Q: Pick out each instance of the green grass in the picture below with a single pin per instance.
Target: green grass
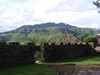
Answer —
(83, 60)
(27, 70)
(36, 69)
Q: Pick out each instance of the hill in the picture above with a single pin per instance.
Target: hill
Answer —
(46, 31)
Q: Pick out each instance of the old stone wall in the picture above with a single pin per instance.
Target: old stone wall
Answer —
(59, 52)
(16, 55)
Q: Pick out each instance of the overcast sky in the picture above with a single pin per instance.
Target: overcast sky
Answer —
(15, 13)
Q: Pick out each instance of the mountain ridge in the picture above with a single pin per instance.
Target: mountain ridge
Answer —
(49, 31)
(45, 25)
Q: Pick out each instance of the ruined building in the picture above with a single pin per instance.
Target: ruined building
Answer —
(98, 38)
(69, 38)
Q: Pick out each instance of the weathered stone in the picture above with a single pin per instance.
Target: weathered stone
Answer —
(69, 38)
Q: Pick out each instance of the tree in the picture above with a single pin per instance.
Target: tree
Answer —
(97, 3)
(3, 42)
(38, 41)
(89, 39)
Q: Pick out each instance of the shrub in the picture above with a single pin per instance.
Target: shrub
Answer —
(89, 39)
(3, 42)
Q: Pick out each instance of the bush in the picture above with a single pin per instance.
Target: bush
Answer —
(3, 42)
(89, 39)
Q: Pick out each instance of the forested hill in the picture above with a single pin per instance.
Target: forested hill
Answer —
(46, 25)
(48, 31)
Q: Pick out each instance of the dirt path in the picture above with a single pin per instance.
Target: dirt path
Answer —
(72, 69)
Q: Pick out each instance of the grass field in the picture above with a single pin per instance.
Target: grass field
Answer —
(36, 69)
(27, 70)
(83, 60)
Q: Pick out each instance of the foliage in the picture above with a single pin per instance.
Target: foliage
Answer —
(89, 39)
(38, 56)
(37, 41)
(3, 42)
(97, 3)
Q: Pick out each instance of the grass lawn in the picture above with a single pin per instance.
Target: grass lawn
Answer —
(83, 60)
(27, 70)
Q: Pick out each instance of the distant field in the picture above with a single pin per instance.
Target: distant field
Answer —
(83, 60)
(27, 70)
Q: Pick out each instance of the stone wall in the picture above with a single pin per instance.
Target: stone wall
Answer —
(60, 52)
(16, 54)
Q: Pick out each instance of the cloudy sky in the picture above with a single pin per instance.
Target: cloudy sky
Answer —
(15, 13)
